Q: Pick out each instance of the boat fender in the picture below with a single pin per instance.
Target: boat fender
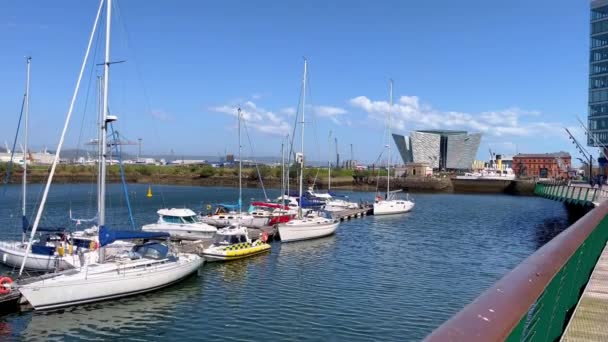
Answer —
(264, 236)
(5, 285)
(60, 250)
(93, 245)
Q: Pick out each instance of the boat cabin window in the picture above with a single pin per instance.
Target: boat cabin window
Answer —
(154, 251)
(229, 239)
(172, 219)
(190, 219)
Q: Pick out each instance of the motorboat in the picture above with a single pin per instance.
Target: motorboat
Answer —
(392, 205)
(181, 224)
(147, 267)
(310, 226)
(232, 243)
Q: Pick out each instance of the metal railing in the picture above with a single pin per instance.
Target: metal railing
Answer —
(535, 300)
(571, 193)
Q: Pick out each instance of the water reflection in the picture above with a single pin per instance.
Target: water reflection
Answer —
(308, 247)
(113, 319)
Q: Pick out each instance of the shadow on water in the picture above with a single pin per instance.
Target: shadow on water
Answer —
(553, 226)
(112, 319)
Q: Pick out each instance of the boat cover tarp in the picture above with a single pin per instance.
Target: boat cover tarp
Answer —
(43, 250)
(107, 236)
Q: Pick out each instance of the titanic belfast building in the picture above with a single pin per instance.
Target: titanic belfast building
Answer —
(441, 149)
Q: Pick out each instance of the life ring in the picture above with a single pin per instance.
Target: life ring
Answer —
(209, 207)
(5, 285)
(264, 236)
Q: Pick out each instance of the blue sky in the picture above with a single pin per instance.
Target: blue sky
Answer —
(513, 70)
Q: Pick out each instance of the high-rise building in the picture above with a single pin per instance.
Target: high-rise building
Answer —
(598, 75)
(440, 149)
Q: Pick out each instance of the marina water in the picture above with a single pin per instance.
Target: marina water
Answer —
(379, 278)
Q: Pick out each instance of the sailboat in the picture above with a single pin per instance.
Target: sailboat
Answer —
(311, 225)
(390, 204)
(146, 267)
(55, 249)
(233, 242)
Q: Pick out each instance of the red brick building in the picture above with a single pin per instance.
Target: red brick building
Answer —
(542, 165)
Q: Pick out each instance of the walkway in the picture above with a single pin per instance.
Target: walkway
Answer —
(590, 319)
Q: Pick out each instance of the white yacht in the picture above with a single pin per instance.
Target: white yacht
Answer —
(391, 204)
(311, 225)
(146, 267)
(181, 224)
(307, 227)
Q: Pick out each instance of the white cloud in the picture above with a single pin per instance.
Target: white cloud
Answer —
(330, 112)
(290, 111)
(160, 115)
(409, 113)
(257, 118)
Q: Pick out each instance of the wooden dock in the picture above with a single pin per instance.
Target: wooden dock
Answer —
(353, 213)
(590, 319)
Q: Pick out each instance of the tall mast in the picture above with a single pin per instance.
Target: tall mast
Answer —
(388, 162)
(104, 118)
(302, 136)
(240, 168)
(282, 173)
(25, 138)
(287, 171)
(329, 163)
(99, 134)
(49, 179)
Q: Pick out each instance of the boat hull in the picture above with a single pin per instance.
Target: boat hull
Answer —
(107, 281)
(13, 253)
(393, 207)
(290, 233)
(181, 232)
(212, 255)
(220, 222)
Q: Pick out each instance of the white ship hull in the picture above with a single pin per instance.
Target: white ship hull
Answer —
(13, 253)
(298, 230)
(183, 231)
(391, 207)
(98, 282)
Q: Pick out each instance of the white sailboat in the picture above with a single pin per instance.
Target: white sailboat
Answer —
(312, 225)
(391, 204)
(55, 249)
(145, 268)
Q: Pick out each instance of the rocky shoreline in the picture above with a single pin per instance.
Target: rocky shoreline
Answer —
(410, 184)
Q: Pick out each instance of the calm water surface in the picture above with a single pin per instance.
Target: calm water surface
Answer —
(379, 278)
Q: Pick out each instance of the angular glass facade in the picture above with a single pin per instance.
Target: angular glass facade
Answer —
(443, 150)
(598, 75)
